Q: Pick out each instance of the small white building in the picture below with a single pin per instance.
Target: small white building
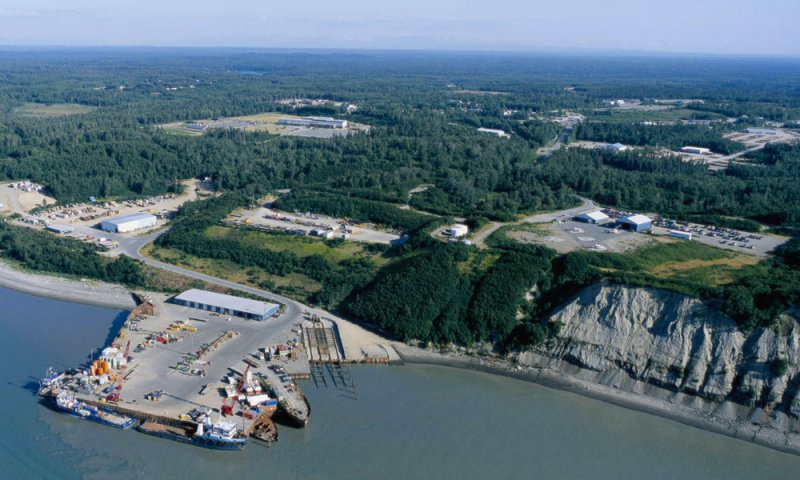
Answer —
(129, 223)
(596, 217)
(616, 147)
(457, 230)
(680, 234)
(696, 150)
(494, 132)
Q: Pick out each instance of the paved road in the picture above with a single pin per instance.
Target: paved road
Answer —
(587, 205)
(568, 213)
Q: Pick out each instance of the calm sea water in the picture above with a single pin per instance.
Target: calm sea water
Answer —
(410, 422)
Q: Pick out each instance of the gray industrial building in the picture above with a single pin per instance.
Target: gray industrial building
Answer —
(635, 223)
(227, 304)
(60, 229)
(322, 122)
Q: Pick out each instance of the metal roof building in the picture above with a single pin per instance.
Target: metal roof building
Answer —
(457, 230)
(324, 122)
(493, 132)
(227, 304)
(596, 217)
(60, 229)
(128, 223)
(636, 223)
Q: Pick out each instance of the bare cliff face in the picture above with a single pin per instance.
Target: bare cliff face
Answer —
(659, 343)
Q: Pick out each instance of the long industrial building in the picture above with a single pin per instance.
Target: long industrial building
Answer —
(322, 122)
(227, 304)
(129, 223)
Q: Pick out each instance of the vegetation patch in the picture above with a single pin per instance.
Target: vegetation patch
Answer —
(41, 110)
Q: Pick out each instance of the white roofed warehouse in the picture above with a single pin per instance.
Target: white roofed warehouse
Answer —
(597, 217)
(129, 223)
(227, 304)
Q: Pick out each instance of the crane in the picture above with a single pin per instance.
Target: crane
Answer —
(114, 395)
(228, 409)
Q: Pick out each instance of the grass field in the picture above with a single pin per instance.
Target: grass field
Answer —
(687, 266)
(293, 285)
(41, 110)
(334, 252)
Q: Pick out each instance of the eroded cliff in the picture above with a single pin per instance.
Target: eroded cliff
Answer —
(670, 346)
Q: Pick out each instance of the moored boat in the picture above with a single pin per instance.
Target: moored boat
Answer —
(219, 436)
(66, 402)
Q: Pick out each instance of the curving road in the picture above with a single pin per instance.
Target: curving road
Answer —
(132, 246)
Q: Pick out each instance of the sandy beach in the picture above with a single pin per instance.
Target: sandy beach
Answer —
(84, 291)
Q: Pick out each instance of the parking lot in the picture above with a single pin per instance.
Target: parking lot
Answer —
(569, 235)
(759, 244)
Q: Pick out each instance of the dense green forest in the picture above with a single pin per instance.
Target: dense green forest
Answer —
(44, 252)
(424, 110)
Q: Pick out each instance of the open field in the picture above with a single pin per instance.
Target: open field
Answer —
(41, 110)
(261, 122)
(295, 285)
(300, 246)
(688, 263)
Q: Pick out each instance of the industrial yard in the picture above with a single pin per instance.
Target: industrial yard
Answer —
(105, 224)
(270, 122)
(327, 228)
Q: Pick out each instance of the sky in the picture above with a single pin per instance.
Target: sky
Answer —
(748, 27)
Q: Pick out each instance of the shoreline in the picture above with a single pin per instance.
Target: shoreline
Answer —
(115, 296)
(87, 292)
(550, 378)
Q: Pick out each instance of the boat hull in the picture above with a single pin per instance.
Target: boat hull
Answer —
(214, 444)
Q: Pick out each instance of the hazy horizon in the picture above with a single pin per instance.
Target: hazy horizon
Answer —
(734, 27)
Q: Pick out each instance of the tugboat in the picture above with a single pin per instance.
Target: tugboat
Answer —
(219, 436)
(67, 403)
